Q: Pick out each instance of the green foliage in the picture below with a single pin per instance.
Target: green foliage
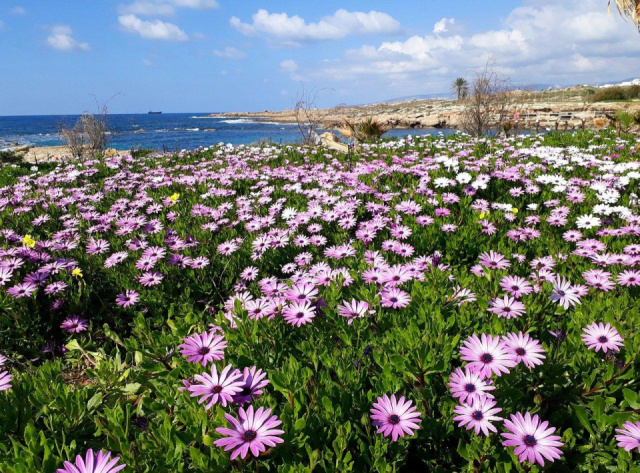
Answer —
(117, 387)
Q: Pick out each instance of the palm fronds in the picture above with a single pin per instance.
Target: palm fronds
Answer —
(629, 9)
(365, 131)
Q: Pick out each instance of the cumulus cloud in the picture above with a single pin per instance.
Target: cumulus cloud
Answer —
(341, 24)
(443, 25)
(289, 65)
(147, 8)
(154, 29)
(164, 7)
(61, 39)
(574, 41)
(230, 53)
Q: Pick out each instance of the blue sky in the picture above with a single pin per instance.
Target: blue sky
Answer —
(227, 55)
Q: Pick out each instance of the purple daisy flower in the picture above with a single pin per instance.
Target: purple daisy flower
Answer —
(5, 381)
(127, 299)
(478, 415)
(216, 387)
(487, 355)
(203, 348)
(253, 381)
(251, 431)
(532, 439)
(602, 337)
(74, 324)
(524, 349)
(467, 386)
(395, 417)
(93, 463)
(629, 436)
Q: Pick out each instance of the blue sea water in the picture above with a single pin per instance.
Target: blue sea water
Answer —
(170, 131)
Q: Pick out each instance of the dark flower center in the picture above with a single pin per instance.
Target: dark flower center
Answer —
(300, 315)
(394, 419)
(394, 299)
(245, 391)
(486, 358)
(204, 350)
(602, 339)
(530, 441)
(249, 435)
(520, 351)
(216, 389)
(470, 387)
(514, 288)
(477, 415)
(302, 296)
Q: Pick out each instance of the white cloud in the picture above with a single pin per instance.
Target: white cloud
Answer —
(154, 29)
(18, 10)
(442, 26)
(164, 7)
(230, 53)
(147, 8)
(342, 23)
(573, 41)
(60, 38)
(148, 63)
(197, 4)
(289, 65)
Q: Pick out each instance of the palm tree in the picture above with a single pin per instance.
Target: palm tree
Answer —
(460, 87)
(629, 9)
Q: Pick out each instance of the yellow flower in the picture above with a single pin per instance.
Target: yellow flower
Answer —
(77, 272)
(174, 197)
(514, 210)
(483, 214)
(28, 241)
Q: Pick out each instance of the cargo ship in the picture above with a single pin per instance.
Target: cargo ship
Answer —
(154, 113)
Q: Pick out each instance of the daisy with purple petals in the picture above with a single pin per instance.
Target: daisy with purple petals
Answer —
(467, 386)
(251, 431)
(533, 439)
(516, 286)
(629, 436)
(478, 415)
(353, 310)
(74, 324)
(253, 379)
(395, 417)
(507, 307)
(299, 313)
(487, 355)
(203, 348)
(93, 463)
(216, 387)
(127, 299)
(524, 349)
(5, 381)
(602, 337)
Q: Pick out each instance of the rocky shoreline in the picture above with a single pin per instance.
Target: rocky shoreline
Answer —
(434, 114)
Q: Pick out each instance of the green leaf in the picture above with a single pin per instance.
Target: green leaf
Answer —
(95, 401)
(583, 417)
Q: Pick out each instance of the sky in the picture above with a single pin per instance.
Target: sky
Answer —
(64, 56)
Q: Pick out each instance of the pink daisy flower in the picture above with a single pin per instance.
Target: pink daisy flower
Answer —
(5, 381)
(487, 355)
(507, 307)
(254, 379)
(299, 313)
(353, 310)
(533, 439)
(74, 324)
(127, 299)
(524, 349)
(395, 417)
(203, 348)
(478, 415)
(602, 337)
(93, 463)
(467, 386)
(629, 436)
(216, 387)
(251, 431)
(395, 298)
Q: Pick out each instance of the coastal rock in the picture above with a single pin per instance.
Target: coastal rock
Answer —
(110, 153)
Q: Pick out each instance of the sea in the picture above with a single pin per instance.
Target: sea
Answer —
(166, 131)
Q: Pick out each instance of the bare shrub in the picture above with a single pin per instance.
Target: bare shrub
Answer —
(89, 133)
(488, 104)
(74, 139)
(308, 116)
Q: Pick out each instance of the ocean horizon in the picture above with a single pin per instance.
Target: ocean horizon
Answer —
(166, 131)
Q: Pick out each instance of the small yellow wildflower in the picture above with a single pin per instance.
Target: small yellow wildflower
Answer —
(77, 272)
(174, 197)
(514, 210)
(28, 241)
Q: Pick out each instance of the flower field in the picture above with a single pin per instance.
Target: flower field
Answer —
(431, 304)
